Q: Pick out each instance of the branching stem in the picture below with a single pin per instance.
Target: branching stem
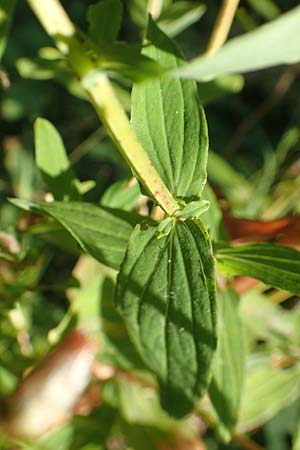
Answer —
(101, 93)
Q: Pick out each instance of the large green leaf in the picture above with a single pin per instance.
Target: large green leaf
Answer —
(276, 265)
(104, 20)
(267, 391)
(271, 44)
(101, 232)
(6, 11)
(166, 294)
(169, 121)
(52, 160)
(229, 365)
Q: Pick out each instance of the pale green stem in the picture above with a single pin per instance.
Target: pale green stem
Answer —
(97, 85)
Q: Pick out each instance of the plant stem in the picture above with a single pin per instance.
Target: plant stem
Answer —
(247, 443)
(222, 26)
(100, 91)
(154, 8)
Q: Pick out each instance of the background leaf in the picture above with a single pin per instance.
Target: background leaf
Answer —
(104, 20)
(52, 160)
(225, 390)
(275, 265)
(223, 175)
(179, 16)
(267, 391)
(6, 11)
(139, 10)
(266, 8)
(125, 60)
(137, 403)
(276, 43)
(213, 217)
(169, 121)
(123, 194)
(217, 88)
(166, 295)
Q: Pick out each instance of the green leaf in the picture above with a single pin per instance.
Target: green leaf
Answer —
(101, 232)
(118, 349)
(85, 300)
(165, 226)
(179, 16)
(52, 160)
(282, 427)
(44, 68)
(137, 404)
(7, 256)
(219, 87)
(276, 43)
(267, 391)
(93, 429)
(140, 437)
(166, 294)
(8, 381)
(193, 210)
(124, 60)
(104, 20)
(169, 121)
(263, 182)
(122, 194)
(92, 304)
(223, 175)
(138, 12)
(213, 217)
(276, 265)
(56, 235)
(266, 8)
(59, 439)
(20, 166)
(229, 365)
(7, 8)
(265, 321)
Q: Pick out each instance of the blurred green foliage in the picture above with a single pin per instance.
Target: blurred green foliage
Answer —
(47, 286)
